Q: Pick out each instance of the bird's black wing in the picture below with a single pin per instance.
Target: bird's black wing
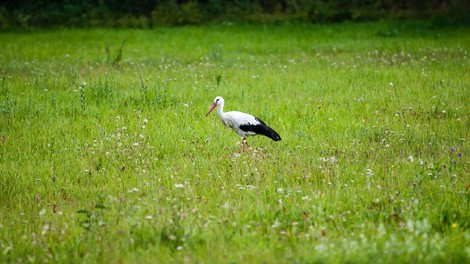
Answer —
(261, 129)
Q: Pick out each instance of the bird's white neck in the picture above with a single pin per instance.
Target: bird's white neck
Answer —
(220, 111)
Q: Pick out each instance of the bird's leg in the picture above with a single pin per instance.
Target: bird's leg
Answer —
(245, 144)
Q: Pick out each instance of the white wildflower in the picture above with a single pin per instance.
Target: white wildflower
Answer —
(42, 212)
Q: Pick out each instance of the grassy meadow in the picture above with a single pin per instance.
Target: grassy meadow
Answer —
(106, 155)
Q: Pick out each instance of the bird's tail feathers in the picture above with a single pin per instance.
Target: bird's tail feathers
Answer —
(270, 133)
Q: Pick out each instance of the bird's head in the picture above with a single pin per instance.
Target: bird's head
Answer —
(217, 101)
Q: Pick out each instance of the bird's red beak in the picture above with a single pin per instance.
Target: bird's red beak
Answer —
(212, 108)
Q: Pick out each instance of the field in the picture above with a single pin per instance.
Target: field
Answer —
(106, 155)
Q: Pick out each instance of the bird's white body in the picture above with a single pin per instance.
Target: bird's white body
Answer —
(243, 124)
(235, 119)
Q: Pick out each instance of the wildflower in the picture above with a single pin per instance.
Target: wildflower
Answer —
(179, 186)
(45, 229)
(132, 190)
(276, 224)
(454, 225)
(452, 150)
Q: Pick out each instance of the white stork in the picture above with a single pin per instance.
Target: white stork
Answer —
(243, 124)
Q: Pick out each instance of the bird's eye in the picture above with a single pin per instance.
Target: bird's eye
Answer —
(217, 100)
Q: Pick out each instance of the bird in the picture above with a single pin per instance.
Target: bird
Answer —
(243, 124)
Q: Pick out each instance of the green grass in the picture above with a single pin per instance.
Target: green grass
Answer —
(106, 155)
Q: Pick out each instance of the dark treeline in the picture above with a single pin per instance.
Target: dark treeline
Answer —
(150, 13)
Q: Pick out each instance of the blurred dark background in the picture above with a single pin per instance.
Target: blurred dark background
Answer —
(152, 13)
